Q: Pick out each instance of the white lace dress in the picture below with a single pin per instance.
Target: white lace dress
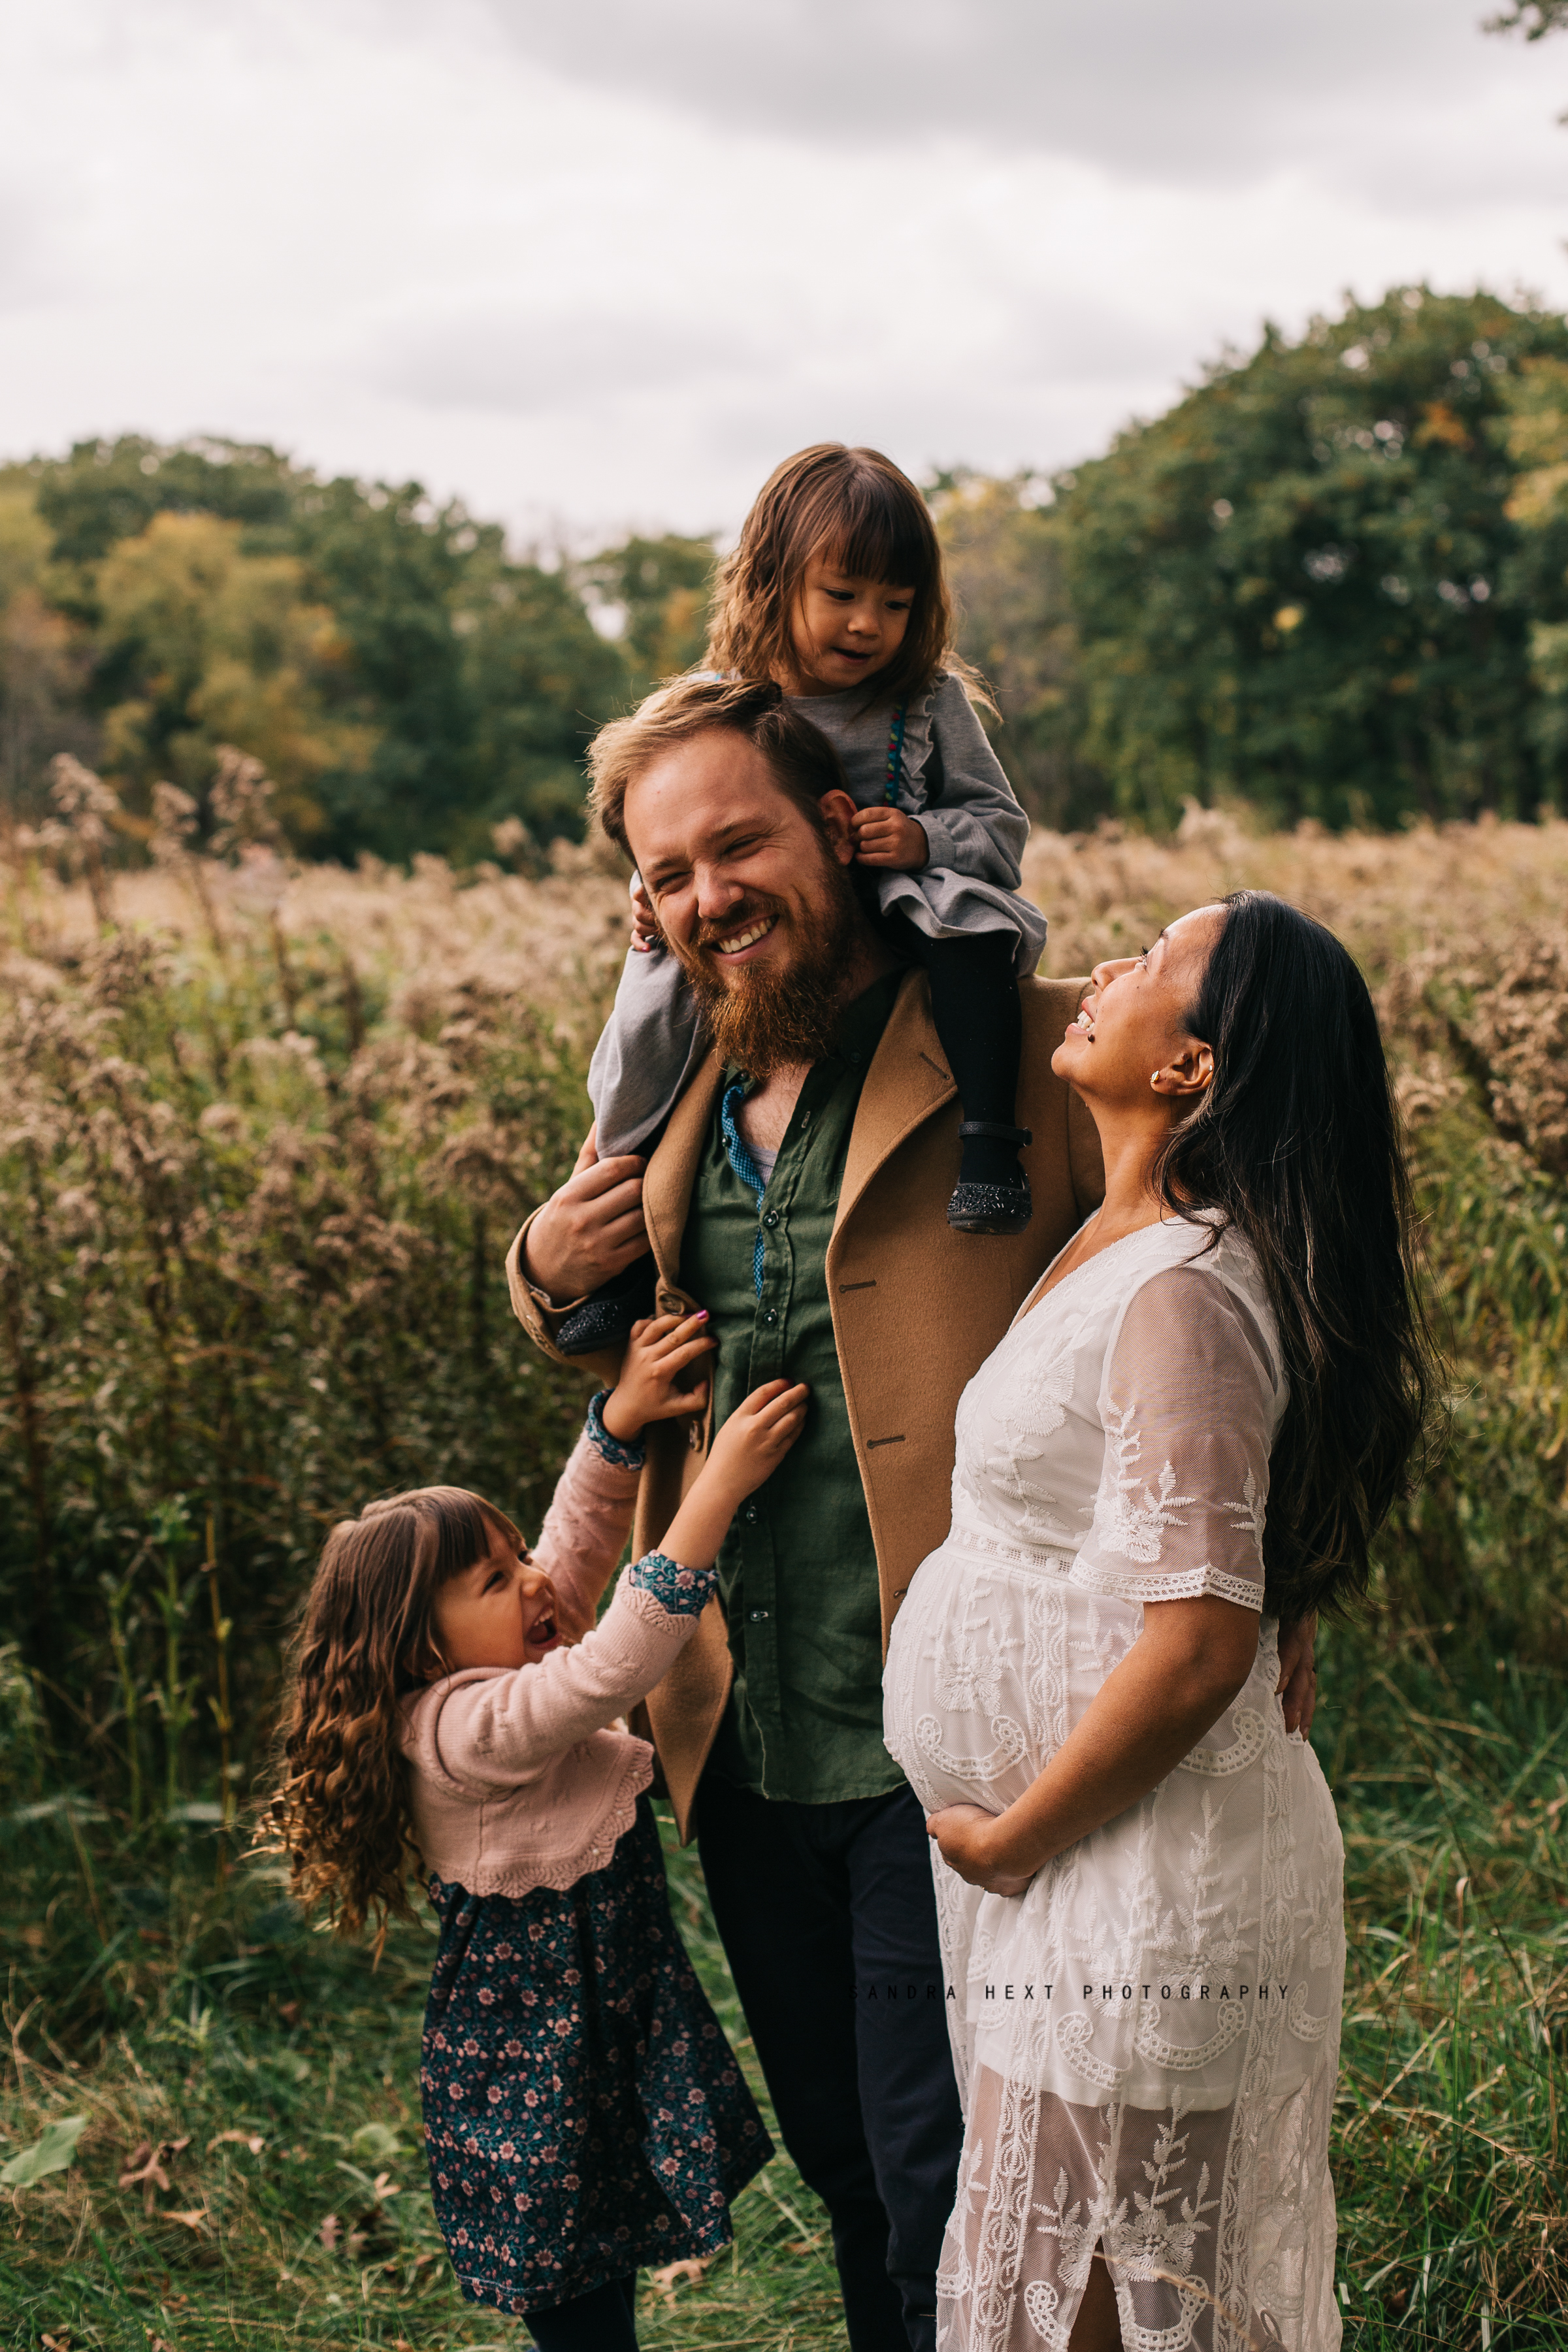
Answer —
(1147, 2038)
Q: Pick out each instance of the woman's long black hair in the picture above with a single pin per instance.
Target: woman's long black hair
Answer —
(1296, 1145)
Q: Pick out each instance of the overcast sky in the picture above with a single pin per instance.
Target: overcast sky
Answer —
(594, 263)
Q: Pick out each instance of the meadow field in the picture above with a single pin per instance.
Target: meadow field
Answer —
(265, 1133)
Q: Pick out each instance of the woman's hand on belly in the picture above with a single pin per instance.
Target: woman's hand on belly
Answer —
(1173, 1685)
(971, 1842)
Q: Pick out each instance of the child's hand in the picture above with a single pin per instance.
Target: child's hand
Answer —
(658, 1350)
(750, 1446)
(756, 1438)
(646, 933)
(886, 836)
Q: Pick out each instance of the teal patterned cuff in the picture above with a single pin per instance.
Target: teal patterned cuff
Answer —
(683, 1592)
(610, 1449)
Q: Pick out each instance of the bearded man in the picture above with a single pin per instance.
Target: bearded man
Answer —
(799, 1193)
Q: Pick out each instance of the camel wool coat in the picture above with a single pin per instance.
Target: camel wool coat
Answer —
(917, 1308)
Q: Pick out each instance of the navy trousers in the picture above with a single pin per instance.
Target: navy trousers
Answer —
(829, 1923)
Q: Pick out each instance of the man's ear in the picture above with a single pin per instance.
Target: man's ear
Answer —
(838, 811)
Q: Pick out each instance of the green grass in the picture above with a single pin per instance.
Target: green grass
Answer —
(165, 2008)
(213, 2011)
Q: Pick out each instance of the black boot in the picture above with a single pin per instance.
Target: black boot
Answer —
(992, 1195)
(605, 1319)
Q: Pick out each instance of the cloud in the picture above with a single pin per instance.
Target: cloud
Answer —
(1148, 88)
(487, 356)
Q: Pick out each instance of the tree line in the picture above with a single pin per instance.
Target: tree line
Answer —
(1331, 580)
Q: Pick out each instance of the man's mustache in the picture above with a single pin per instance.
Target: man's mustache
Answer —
(756, 908)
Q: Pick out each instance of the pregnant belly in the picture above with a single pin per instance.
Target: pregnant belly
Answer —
(984, 1677)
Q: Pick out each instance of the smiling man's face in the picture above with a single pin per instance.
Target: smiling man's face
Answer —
(753, 901)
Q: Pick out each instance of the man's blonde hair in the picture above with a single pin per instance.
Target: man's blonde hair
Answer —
(802, 759)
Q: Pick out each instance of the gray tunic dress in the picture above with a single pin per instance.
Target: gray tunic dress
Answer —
(950, 779)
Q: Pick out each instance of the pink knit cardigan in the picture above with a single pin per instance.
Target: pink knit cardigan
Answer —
(523, 1777)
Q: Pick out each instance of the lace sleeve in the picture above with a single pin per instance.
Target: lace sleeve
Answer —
(1190, 1402)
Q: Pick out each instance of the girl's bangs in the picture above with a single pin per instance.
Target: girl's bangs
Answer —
(879, 538)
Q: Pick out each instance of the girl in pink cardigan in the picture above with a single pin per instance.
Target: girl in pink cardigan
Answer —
(454, 1700)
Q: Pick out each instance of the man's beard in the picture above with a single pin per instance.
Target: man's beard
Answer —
(766, 1017)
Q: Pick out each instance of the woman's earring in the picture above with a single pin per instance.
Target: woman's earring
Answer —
(1154, 1079)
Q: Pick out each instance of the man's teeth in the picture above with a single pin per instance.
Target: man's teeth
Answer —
(745, 939)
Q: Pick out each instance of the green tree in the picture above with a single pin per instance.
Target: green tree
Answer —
(200, 644)
(662, 587)
(44, 658)
(1006, 563)
(105, 491)
(1300, 586)
(1538, 445)
(406, 681)
(1531, 18)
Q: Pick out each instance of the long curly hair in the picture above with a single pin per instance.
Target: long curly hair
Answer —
(340, 1807)
(855, 505)
(1297, 1146)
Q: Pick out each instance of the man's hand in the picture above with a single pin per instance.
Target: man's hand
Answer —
(646, 933)
(886, 836)
(1298, 1683)
(591, 1229)
(967, 1838)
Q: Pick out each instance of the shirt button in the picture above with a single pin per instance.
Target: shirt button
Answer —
(772, 1218)
(770, 1314)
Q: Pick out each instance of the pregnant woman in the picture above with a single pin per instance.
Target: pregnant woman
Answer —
(1186, 1440)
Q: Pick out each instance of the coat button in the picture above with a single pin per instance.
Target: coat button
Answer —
(772, 1218)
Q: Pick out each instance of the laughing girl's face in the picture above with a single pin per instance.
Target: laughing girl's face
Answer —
(500, 1612)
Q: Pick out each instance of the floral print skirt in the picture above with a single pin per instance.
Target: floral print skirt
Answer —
(584, 2114)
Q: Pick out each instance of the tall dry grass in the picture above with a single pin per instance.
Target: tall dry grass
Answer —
(264, 1133)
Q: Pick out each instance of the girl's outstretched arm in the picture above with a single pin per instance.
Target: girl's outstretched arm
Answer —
(485, 1729)
(588, 1521)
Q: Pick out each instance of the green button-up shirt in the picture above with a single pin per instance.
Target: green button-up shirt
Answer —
(797, 1573)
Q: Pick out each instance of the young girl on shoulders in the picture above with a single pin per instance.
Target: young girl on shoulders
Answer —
(453, 1700)
(835, 593)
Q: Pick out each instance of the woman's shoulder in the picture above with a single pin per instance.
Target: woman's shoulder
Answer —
(1196, 1278)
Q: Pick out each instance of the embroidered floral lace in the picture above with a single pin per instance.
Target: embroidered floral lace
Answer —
(614, 1449)
(1147, 2038)
(682, 1591)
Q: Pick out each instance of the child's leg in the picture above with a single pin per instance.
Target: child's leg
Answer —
(974, 1004)
(652, 1043)
(600, 2322)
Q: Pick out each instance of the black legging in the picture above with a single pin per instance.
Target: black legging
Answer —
(603, 2320)
(979, 1020)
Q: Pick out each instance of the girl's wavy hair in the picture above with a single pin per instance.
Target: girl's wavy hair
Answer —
(855, 507)
(1297, 1146)
(339, 1808)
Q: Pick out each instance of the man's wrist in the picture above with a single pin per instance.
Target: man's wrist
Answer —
(540, 1291)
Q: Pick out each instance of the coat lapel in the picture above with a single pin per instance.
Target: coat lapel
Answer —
(908, 1079)
(672, 1171)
